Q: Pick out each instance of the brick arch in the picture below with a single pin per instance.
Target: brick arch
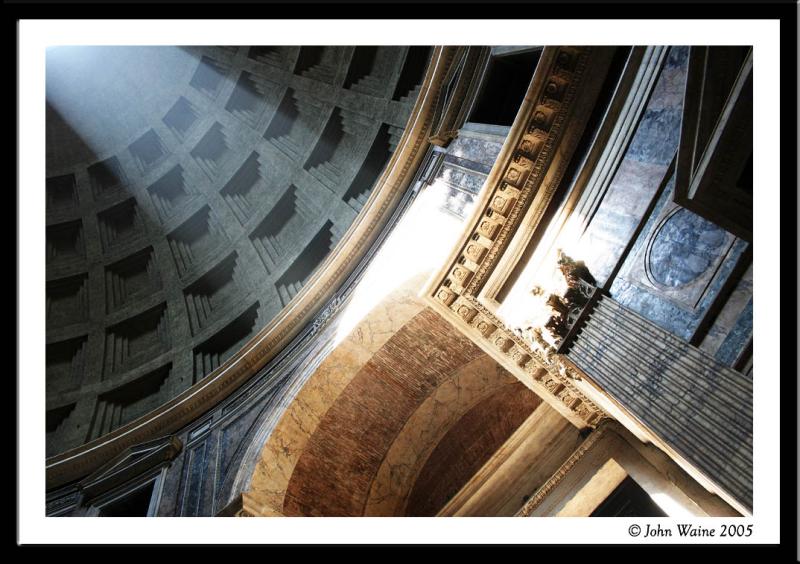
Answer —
(382, 400)
(468, 445)
(333, 475)
(468, 386)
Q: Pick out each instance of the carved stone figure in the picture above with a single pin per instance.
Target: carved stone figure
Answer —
(567, 308)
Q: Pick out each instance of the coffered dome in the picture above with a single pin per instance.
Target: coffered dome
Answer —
(191, 195)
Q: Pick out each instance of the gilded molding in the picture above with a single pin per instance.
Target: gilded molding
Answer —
(204, 395)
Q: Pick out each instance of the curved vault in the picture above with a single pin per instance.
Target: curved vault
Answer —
(393, 422)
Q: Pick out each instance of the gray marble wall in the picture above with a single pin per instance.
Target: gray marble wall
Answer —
(466, 164)
(676, 268)
(672, 272)
(640, 172)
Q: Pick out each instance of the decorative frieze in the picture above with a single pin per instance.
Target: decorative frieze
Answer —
(446, 296)
(466, 312)
(541, 494)
(484, 327)
(549, 370)
(489, 226)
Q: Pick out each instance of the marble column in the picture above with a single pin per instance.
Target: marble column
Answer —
(700, 407)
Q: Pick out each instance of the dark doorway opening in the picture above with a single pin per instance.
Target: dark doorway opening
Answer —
(504, 87)
(628, 500)
(134, 504)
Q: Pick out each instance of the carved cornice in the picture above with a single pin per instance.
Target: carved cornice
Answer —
(520, 188)
(533, 160)
(389, 189)
(550, 374)
(129, 464)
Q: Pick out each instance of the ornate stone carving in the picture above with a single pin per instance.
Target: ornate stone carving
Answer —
(583, 411)
(485, 327)
(562, 472)
(446, 296)
(461, 275)
(567, 308)
(555, 88)
(515, 183)
(503, 343)
(466, 313)
(552, 369)
(488, 228)
(520, 357)
(475, 252)
(536, 143)
(567, 58)
(530, 147)
(542, 120)
(515, 176)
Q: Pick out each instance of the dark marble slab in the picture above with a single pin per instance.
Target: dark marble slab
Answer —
(641, 170)
(619, 213)
(190, 506)
(684, 248)
(658, 133)
(657, 137)
(665, 313)
(737, 339)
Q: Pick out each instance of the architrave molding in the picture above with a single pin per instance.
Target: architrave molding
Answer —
(541, 494)
(609, 441)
